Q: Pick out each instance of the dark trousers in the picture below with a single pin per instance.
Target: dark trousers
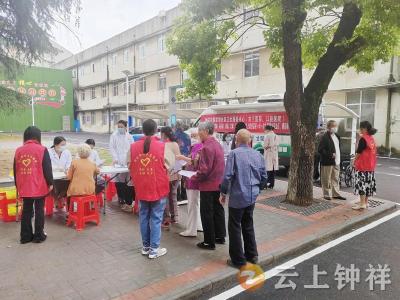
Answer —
(271, 179)
(26, 219)
(125, 192)
(240, 223)
(316, 167)
(212, 217)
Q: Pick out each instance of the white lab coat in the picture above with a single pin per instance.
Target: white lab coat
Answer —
(119, 147)
(271, 140)
(62, 162)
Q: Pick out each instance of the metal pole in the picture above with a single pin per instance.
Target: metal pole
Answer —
(127, 98)
(33, 112)
(108, 96)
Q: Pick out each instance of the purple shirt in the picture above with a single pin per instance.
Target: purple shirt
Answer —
(193, 185)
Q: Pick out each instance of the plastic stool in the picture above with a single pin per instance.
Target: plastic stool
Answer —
(100, 199)
(49, 205)
(87, 211)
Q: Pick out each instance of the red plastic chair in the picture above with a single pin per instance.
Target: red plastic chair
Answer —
(87, 210)
(49, 205)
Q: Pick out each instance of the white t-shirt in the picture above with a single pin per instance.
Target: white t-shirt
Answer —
(337, 149)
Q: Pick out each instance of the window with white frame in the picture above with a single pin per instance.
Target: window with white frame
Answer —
(142, 84)
(83, 117)
(114, 59)
(184, 76)
(218, 72)
(142, 48)
(105, 117)
(126, 56)
(130, 85)
(92, 92)
(362, 103)
(162, 81)
(83, 95)
(124, 89)
(161, 43)
(104, 91)
(251, 64)
(93, 117)
(115, 89)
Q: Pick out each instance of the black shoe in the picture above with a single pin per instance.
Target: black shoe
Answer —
(327, 198)
(253, 260)
(220, 241)
(230, 263)
(40, 240)
(339, 198)
(25, 241)
(206, 246)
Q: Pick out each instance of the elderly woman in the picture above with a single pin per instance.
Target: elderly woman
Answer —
(82, 173)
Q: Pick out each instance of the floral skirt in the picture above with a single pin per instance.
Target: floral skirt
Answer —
(365, 183)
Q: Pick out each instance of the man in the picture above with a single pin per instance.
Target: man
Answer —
(329, 150)
(182, 139)
(318, 135)
(209, 177)
(245, 176)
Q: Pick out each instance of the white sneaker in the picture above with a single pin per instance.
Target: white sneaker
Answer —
(359, 207)
(185, 234)
(145, 251)
(159, 252)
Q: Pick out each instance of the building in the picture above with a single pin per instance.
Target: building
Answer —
(139, 54)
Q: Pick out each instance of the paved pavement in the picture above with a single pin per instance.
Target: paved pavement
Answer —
(104, 262)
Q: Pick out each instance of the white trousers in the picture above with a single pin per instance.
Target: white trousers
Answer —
(193, 222)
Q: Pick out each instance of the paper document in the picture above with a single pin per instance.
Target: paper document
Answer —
(178, 165)
(187, 174)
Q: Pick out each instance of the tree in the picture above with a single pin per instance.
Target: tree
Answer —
(323, 35)
(25, 36)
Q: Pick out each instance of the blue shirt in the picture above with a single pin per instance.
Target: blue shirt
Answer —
(183, 141)
(244, 175)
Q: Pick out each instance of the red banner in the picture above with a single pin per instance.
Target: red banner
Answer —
(255, 121)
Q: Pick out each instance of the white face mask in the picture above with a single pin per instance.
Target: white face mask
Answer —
(62, 148)
(121, 130)
(228, 139)
(334, 130)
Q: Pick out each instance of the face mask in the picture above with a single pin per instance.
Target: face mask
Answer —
(121, 130)
(334, 130)
(62, 148)
(193, 141)
(228, 139)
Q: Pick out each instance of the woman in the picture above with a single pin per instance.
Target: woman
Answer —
(82, 173)
(33, 178)
(271, 143)
(61, 160)
(120, 142)
(94, 155)
(193, 223)
(149, 161)
(365, 164)
(226, 144)
(171, 209)
(238, 126)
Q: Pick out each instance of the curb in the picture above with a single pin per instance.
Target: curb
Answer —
(227, 279)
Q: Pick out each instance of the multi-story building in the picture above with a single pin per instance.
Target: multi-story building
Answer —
(139, 54)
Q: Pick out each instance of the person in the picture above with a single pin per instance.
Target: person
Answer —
(193, 223)
(318, 136)
(94, 155)
(226, 144)
(271, 144)
(244, 178)
(365, 164)
(149, 162)
(182, 138)
(61, 160)
(33, 178)
(120, 142)
(209, 177)
(329, 151)
(81, 174)
(238, 126)
(171, 208)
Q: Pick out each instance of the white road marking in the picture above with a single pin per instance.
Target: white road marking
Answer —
(388, 174)
(295, 261)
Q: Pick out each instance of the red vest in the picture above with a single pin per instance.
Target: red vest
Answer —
(29, 170)
(367, 159)
(148, 171)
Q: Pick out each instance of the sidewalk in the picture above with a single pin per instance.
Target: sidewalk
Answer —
(105, 262)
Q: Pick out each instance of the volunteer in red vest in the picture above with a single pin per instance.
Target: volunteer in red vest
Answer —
(34, 180)
(365, 164)
(149, 162)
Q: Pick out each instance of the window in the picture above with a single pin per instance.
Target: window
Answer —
(114, 59)
(93, 68)
(92, 92)
(130, 84)
(362, 103)
(115, 89)
(93, 117)
(251, 64)
(142, 84)
(249, 14)
(105, 118)
(82, 95)
(126, 56)
(163, 20)
(142, 50)
(83, 119)
(104, 91)
(184, 76)
(124, 89)
(161, 43)
(116, 118)
(162, 81)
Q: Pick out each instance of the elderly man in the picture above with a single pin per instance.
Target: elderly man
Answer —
(209, 177)
(245, 176)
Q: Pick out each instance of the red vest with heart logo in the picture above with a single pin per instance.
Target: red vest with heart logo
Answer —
(148, 171)
(366, 161)
(29, 170)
